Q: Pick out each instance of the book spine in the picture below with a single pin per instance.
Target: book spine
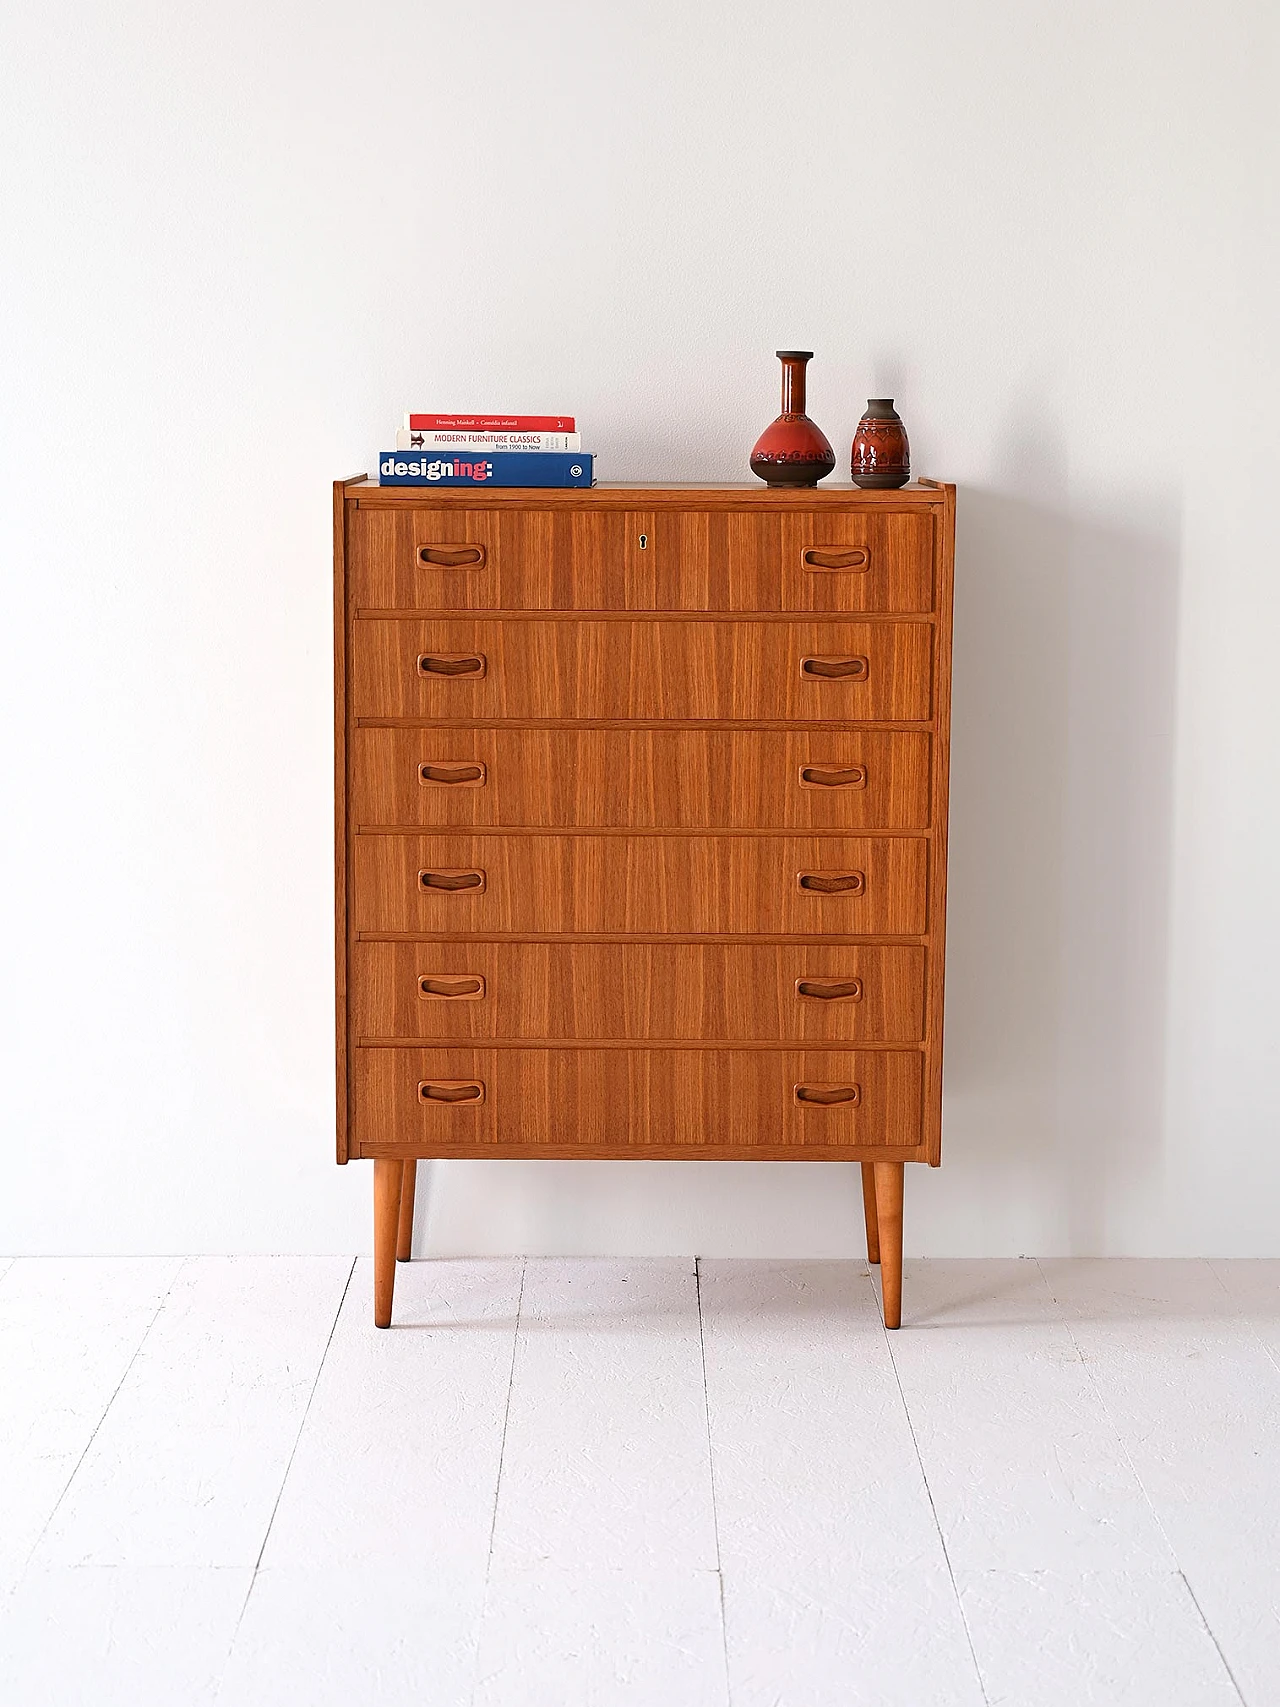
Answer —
(491, 423)
(496, 468)
(407, 438)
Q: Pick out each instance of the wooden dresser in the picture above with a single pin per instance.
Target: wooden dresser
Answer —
(641, 831)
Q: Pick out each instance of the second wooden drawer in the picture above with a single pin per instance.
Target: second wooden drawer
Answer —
(458, 667)
(776, 992)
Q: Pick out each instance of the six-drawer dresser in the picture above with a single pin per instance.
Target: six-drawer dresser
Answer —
(641, 831)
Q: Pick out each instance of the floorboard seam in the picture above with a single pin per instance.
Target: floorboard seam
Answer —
(497, 1481)
(137, 1351)
(924, 1477)
(1101, 1397)
(1240, 1312)
(1120, 1441)
(1208, 1630)
(293, 1452)
(711, 1472)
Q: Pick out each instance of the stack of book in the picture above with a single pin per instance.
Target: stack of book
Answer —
(487, 450)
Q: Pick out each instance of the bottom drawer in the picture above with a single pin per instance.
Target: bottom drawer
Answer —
(761, 1104)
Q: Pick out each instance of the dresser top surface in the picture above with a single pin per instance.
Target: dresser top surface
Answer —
(611, 495)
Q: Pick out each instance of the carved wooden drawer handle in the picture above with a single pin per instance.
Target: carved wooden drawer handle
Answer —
(455, 776)
(451, 1090)
(836, 557)
(827, 1096)
(452, 556)
(443, 986)
(832, 882)
(450, 879)
(826, 776)
(834, 669)
(470, 664)
(830, 989)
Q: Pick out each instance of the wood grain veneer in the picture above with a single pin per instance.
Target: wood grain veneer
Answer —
(657, 991)
(662, 668)
(641, 830)
(666, 778)
(590, 558)
(610, 884)
(647, 1102)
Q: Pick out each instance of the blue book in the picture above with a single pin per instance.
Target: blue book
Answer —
(494, 468)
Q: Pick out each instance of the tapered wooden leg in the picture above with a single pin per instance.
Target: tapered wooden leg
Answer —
(404, 1241)
(388, 1176)
(889, 1218)
(869, 1211)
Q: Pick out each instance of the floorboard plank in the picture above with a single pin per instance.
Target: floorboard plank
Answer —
(1252, 1287)
(606, 1445)
(69, 1328)
(1025, 1466)
(620, 1636)
(400, 1449)
(187, 1464)
(118, 1636)
(881, 1639)
(1194, 1396)
(1092, 1639)
(813, 1455)
(372, 1635)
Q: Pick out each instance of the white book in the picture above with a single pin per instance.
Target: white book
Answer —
(411, 438)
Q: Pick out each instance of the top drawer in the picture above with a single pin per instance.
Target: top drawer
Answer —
(672, 560)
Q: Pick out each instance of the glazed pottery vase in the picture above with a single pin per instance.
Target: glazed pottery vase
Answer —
(881, 454)
(793, 451)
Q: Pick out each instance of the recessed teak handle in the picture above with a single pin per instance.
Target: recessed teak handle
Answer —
(836, 557)
(451, 1090)
(832, 882)
(830, 989)
(451, 879)
(834, 669)
(830, 776)
(470, 664)
(827, 1096)
(452, 556)
(455, 775)
(446, 987)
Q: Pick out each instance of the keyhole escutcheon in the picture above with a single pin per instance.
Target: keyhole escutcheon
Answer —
(644, 542)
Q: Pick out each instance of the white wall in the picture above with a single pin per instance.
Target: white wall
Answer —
(240, 238)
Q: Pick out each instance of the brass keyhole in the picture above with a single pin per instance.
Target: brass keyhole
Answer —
(644, 542)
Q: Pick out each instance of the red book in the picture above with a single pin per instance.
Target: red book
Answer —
(490, 423)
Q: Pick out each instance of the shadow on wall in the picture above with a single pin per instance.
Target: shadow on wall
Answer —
(1062, 799)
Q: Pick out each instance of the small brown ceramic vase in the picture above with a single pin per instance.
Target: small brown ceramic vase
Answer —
(793, 451)
(881, 454)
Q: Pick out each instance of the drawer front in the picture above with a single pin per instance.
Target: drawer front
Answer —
(695, 560)
(664, 885)
(640, 779)
(643, 1102)
(581, 991)
(653, 669)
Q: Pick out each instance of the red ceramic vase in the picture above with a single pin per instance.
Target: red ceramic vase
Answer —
(793, 451)
(881, 454)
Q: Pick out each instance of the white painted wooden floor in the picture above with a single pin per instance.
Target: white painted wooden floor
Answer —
(644, 1484)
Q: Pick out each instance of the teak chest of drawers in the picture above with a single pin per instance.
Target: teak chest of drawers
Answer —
(641, 831)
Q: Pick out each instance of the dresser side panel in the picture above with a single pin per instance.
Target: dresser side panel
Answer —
(940, 782)
(340, 839)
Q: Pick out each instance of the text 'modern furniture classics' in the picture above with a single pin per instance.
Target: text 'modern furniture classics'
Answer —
(641, 830)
